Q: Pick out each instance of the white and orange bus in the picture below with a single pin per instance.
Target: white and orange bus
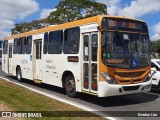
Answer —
(100, 55)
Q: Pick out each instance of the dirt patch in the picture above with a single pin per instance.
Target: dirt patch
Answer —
(4, 107)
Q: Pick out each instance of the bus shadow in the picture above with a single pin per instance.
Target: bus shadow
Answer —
(104, 101)
(155, 90)
(43, 86)
(124, 100)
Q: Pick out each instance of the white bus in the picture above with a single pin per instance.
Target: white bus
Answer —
(100, 55)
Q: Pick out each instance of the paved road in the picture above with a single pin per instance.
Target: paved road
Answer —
(149, 101)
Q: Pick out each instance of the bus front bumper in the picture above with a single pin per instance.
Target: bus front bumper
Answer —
(106, 89)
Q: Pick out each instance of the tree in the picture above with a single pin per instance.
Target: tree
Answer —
(155, 46)
(26, 26)
(70, 10)
(66, 11)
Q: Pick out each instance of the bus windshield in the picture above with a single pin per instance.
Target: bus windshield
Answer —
(125, 43)
(125, 50)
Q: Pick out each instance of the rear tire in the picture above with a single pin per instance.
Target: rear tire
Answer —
(19, 74)
(70, 86)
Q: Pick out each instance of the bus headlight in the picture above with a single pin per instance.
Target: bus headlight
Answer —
(108, 78)
(147, 78)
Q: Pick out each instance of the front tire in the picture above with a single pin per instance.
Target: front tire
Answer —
(70, 86)
(19, 74)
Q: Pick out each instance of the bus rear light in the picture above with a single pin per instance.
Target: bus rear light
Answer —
(108, 78)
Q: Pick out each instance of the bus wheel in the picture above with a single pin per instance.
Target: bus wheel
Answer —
(70, 86)
(18, 74)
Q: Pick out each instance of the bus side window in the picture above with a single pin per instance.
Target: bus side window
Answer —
(94, 46)
(5, 47)
(28, 44)
(24, 43)
(18, 46)
(15, 50)
(71, 40)
(55, 42)
(45, 46)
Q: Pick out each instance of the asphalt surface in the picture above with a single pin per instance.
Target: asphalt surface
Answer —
(125, 106)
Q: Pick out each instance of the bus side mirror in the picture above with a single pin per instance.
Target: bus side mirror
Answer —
(103, 40)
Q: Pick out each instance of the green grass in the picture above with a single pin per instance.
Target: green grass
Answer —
(20, 99)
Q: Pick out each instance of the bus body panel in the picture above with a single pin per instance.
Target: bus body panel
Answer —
(106, 89)
(24, 62)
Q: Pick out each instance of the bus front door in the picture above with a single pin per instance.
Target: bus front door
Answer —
(90, 48)
(10, 59)
(37, 60)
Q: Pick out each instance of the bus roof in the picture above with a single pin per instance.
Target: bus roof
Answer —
(70, 24)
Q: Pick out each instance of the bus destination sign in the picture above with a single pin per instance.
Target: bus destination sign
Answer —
(123, 24)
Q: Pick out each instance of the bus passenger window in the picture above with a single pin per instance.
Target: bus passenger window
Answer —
(55, 42)
(45, 46)
(20, 41)
(5, 47)
(28, 44)
(17, 46)
(71, 40)
(24, 43)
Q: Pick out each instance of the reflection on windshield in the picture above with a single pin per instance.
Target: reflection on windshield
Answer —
(125, 50)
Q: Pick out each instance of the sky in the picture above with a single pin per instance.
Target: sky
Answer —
(16, 11)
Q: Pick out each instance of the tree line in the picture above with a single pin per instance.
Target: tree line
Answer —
(155, 46)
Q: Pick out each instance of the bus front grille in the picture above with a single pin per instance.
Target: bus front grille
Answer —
(130, 74)
(130, 81)
(130, 77)
(130, 88)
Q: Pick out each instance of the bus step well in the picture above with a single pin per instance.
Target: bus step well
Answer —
(37, 81)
